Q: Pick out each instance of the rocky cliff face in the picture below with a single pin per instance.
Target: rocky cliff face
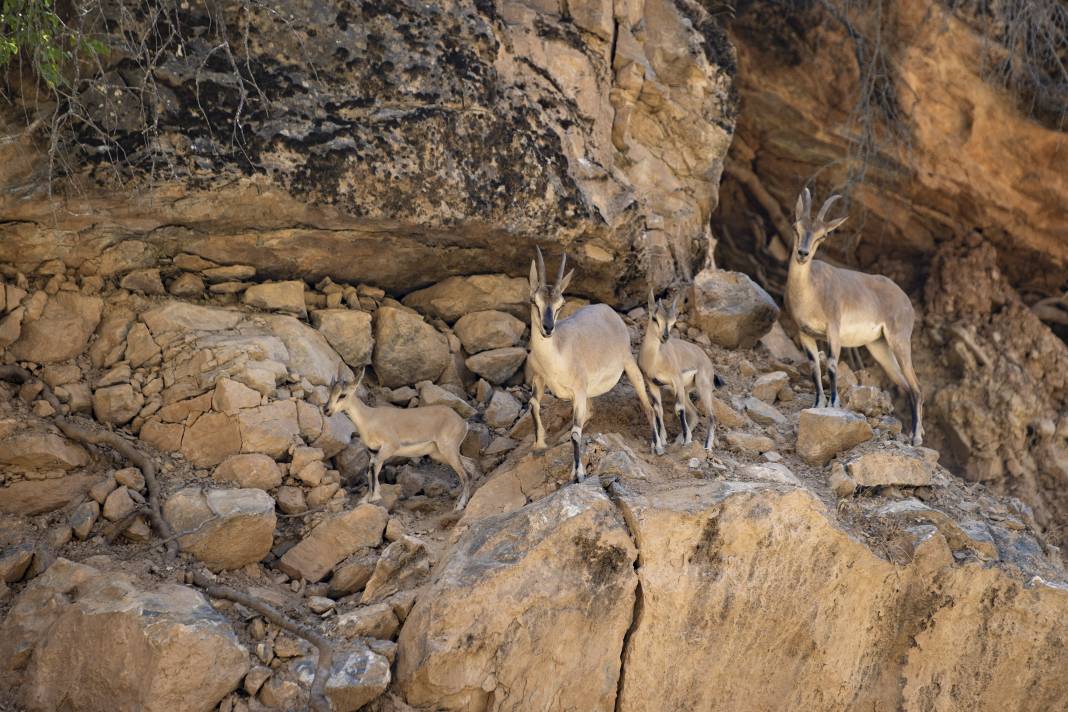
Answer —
(398, 143)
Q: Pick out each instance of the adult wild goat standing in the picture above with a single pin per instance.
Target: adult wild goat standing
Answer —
(434, 430)
(577, 358)
(681, 366)
(848, 308)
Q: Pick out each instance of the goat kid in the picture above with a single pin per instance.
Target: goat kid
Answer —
(850, 309)
(577, 358)
(682, 367)
(435, 431)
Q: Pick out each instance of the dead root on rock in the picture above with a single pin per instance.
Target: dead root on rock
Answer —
(317, 697)
(80, 430)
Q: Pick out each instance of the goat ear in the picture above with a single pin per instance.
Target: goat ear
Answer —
(651, 303)
(562, 284)
(834, 224)
(675, 305)
(533, 278)
(803, 210)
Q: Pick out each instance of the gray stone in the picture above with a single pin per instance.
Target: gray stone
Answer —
(731, 309)
(349, 332)
(429, 394)
(484, 330)
(822, 433)
(497, 365)
(407, 349)
(503, 410)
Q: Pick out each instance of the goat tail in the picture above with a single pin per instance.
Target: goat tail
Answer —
(718, 381)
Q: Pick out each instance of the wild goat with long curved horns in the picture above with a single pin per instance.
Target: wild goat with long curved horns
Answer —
(848, 308)
(577, 358)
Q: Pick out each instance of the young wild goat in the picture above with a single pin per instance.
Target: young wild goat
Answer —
(848, 308)
(681, 366)
(578, 358)
(434, 430)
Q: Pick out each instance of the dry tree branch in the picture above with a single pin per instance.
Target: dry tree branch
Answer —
(317, 697)
(84, 433)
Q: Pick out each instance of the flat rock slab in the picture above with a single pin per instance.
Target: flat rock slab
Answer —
(890, 467)
(333, 540)
(822, 433)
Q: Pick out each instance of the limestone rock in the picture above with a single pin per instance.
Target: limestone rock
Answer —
(456, 296)
(228, 273)
(83, 518)
(117, 404)
(310, 355)
(249, 470)
(429, 394)
(30, 497)
(140, 346)
(868, 400)
(336, 433)
(277, 296)
(231, 396)
(357, 676)
(767, 386)
(291, 500)
(403, 564)
(241, 530)
(747, 442)
(118, 504)
(130, 477)
(162, 436)
(14, 561)
(352, 574)
(484, 330)
(407, 349)
(822, 433)
(731, 309)
(270, 429)
(561, 570)
(211, 439)
(763, 413)
(497, 365)
(146, 281)
(889, 467)
(375, 621)
(100, 640)
(334, 539)
(772, 472)
(61, 332)
(181, 316)
(35, 450)
(780, 345)
(503, 410)
(187, 285)
(349, 332)
(11, 327)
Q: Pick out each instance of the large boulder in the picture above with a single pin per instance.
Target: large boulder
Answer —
(228, 527)
(407, 349)
(78, 638)
(349, 332)
(334, 539)
(310, 355)
(62, 330)
(489, 329)
(542, 594)
(456, 296)
(249, 470)
(822, 433)
(30, 497)
(731, 309)
(117, 404)
(758, 572)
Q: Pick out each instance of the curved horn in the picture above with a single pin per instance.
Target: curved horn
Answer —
(541, 266)
(803, 209)
(360, 379)
(826, 207)
(563, 263)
